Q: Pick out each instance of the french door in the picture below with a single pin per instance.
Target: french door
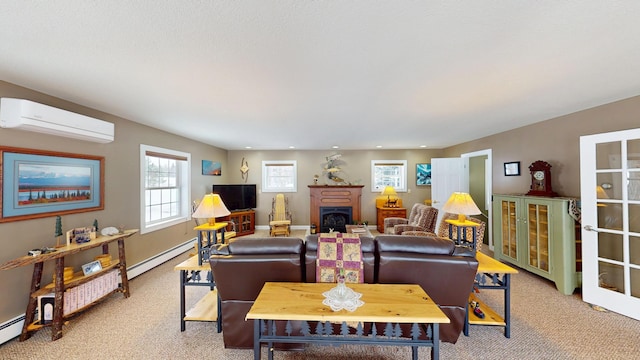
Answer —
(610, 194)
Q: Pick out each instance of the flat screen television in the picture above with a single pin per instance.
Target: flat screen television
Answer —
(237, 196)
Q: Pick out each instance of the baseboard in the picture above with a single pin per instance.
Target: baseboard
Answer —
(12, 328)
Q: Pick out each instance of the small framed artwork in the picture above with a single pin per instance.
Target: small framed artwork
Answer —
(423, 174)
(512, 168)
(211, 168)
(92, 267)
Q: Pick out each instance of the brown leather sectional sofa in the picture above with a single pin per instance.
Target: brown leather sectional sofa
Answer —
(240, 269)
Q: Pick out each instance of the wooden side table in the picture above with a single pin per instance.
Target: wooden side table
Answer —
(208, 308)
(461, 238)
(491, 275)
(387, 212)
(207, 236)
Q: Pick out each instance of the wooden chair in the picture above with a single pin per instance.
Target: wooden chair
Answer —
(280, 216)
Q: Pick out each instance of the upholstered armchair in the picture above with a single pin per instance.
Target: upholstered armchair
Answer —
(280, 216)
(421, 218)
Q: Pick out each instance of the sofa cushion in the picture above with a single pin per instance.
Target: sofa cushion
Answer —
(431, 245)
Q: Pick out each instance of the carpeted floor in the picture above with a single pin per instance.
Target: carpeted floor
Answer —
(545, 325)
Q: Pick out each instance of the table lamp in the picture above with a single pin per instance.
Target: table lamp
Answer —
(389, 190)
(210, 208)
(462, 204)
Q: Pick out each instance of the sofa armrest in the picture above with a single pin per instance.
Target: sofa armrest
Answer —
(390, 222)
(399, 229)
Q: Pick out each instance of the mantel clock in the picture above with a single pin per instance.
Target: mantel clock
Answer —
(541, 179)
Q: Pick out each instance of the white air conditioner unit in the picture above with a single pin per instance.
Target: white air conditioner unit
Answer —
(31, 116)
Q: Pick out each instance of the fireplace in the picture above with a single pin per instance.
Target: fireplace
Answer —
(334, 206)
(335, 218)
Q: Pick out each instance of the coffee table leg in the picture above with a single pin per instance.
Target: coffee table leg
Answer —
(435, 350)
(256, 339)
(271, 330)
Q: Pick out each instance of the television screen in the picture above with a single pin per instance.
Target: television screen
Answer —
(237, 196)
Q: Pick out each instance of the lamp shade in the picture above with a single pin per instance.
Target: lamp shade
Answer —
(389, 190)
(210, 208)
(462, 204)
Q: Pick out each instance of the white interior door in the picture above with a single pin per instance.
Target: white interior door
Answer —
(447, 176)
(610, 194)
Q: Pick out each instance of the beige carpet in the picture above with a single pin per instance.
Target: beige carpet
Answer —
(546, 325)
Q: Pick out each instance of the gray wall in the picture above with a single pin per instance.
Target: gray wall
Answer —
(556, 141)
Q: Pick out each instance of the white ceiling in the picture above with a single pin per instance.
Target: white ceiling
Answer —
(311, 74)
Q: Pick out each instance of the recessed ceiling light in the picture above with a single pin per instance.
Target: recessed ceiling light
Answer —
(379, 146)
(247, 147)
(423, 146)
(335, 147)
(292, 147)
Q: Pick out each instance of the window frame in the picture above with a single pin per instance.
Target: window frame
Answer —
(378, 184)
(183, 185)
(265, 175)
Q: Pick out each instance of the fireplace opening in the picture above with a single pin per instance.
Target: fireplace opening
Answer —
(335, 218)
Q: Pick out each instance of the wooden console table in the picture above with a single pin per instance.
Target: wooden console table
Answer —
(60, 285)
(383, 303)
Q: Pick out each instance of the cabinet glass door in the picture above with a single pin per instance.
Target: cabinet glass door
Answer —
(509, 221)
(538, 235)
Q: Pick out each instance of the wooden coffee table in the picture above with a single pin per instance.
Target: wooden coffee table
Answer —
(383, 303)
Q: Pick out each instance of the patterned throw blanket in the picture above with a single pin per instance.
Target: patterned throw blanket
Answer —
(339, 251)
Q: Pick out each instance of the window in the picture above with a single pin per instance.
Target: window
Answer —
(388, 172)
(165, 188)
(279, 176)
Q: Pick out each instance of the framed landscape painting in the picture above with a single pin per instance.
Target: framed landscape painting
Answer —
(38, 183)
(211, 168)
(423, 174)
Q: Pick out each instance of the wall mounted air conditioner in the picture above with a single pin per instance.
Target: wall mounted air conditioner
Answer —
(31, 116)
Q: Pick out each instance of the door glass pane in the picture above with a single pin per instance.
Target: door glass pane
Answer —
(633, 185)
(608, 155)
(611, 277)
(610, 246)
(610, 216)
(633, 154)
(634, 250)
(509, 229)
(609, 185)
(634, 218)
(635, 282)
(538, 221)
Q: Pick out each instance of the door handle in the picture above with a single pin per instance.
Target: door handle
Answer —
(590, 228)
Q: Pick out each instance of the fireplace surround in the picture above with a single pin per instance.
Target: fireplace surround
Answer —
(335, 198)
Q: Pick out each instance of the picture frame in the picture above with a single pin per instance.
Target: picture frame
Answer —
(213, 168)
(423, 174)
(92, 267)
(41, 183)
(512, 168)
